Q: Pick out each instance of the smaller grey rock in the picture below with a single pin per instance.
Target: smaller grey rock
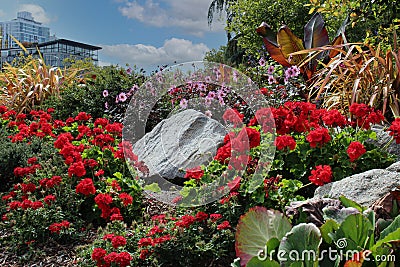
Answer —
(383, 138)
(395, 167)
(364, 188)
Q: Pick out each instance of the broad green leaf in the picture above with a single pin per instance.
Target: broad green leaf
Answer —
(391, 228)
(355, 231)
(315, 33)
(339, 215)
(391, 237)
(300, 247)
(255, 229)
(256, 262)
(154, 187)
(350, 203)
(329, 226)
(290, 43)
(118, 175)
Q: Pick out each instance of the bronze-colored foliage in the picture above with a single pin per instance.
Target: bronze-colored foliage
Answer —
(22, 88)
(282, 47)
(359, 74)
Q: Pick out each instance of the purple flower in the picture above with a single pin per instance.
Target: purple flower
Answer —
(129, 71)
(133, 89)
(105, 93)
(271, 79)
(207, 101)
(235, 76)
(261, 62)
(183, 103)
(208, 113)
(211, 94)
(122, 97)
(106, 106)
(271, 69)
(208, 79)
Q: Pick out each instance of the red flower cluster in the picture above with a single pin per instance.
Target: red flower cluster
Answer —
(25, 204)
(394, 130)
(322, 174)
(86, 187)
(122, 259)
(118, 241)
(194, 173)
(185, 221)
(285, 141)
(223, 225)
(126, 199)
(50, 183)
(49, 199)
(239, 145)
(233, 116)
(103, 201)
(355, 150)
(57, 227)
(318, 137)
(333, 118)
(365, 115)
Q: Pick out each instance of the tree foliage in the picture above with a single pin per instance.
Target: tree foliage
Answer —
(247, 15)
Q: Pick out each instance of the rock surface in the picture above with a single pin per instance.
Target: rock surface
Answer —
(364, 188)
(383, 138)
(185, 140)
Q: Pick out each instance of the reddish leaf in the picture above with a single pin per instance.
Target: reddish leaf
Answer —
(270, 42)
(290, 43)
(315, 33)
(337, 41)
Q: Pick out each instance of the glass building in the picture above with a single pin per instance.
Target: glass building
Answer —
(37, 41)
(25, 29)
(54, 52)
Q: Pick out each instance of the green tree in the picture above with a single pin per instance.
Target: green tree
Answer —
(373, 21)
(247, 15)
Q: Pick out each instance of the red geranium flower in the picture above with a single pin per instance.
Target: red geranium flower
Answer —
(194, 173)
(126, 198)
(86, 187)
(49, 199)
(118, 241)
(77, 168)
(223, 225)
(285, 141)
(322, 174)
(318, 137)
(355, 150)
(394, 130)
(98, 254)
(234, 116)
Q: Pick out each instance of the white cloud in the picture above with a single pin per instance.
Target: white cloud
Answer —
(38, 13)
(190, 15)
(148, 56)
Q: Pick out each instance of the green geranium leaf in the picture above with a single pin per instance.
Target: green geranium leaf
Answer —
(154, 187)
(256, 228)
(391, 228)
(301, 246)
(350, 203)
(256, 262)
(328, 227)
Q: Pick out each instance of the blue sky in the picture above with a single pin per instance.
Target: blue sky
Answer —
(146, 33)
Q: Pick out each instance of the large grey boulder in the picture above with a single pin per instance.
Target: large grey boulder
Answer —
(364, 188)
(185, 140)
